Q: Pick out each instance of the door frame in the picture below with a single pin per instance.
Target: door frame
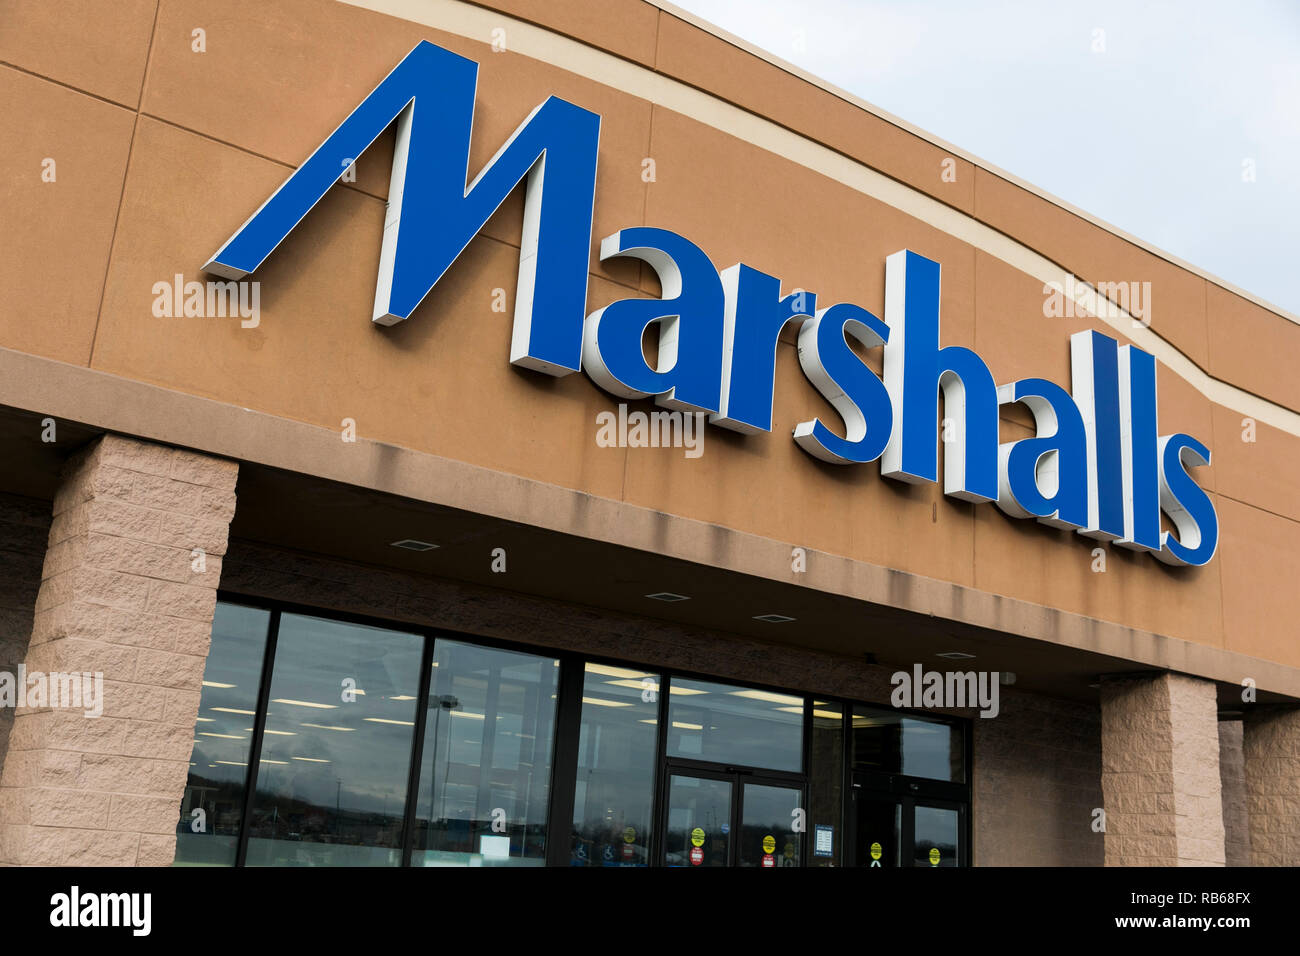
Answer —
(909, 792)
(737, 777)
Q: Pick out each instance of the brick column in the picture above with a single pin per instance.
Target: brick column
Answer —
(1232, 777)
(1160, 772)
(1271, 751)
(128, 590)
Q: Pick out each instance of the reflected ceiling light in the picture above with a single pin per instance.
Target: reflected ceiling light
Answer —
(682, 725)
(635, 684)
(206, 720)
(284, 763)
(773, 618)
(385, 720)
(233, 710)
(327, 727)
(212, 683)
(410, 544)
(230, 763)
(768, 696)
(647, 721)
(956, 656)
(205, 733)
(304, 703)
(310, 759)
(402, 697)
(685, 691)
(605, 702)
(465, 713)
(278, 733)
(824, 714)
(668, 597)
(606, 670)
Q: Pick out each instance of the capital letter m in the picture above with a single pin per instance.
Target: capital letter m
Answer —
(432, 214)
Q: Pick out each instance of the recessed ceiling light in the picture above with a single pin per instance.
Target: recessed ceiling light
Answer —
(668, 596)
(772, 618)
(956, 656)
(410, 544)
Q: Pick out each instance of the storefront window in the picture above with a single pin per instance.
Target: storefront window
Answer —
(891, 742)
(212, 809)
(336, 750)
(735, 726)
(485, 771)
(614, 790)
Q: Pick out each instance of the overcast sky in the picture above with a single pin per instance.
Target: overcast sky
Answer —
(1151, 133)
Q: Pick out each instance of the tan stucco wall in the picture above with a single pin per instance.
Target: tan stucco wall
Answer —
(163, 152)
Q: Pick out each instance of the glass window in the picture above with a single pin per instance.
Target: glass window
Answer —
(699, 821)
(826, 782)
(935, 843)
(336, 752)
(732, 725)
(614, 790)
(208, 830)
(915, 746)
(485, 772)
(767, 837)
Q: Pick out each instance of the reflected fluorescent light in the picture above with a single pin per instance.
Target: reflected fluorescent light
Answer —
(825, 714)
(466, 713)
(304, 703)
(205, 733)
(385, 720)
(230, 763)
(604, 702)
(327, 727)
(233, 710)
(283, 763)
(608, 671)
(310, 759)
(278, 733)
(648, 721)
(402, 697)
(212, 683)
(685, 691)
(636, 684)
(206, 720)
(681, 725)
(767, 695)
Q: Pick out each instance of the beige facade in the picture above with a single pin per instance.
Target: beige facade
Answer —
(173, 434)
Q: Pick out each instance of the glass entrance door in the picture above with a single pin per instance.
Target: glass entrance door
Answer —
(892, 829)
(698, 830)
(730, 818)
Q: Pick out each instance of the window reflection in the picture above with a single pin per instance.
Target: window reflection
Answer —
(222, 739)
(936, 837)
(614, 789)
(485, 771)
(732, 725)
(914, 746)
(767, 836)
(333, 773)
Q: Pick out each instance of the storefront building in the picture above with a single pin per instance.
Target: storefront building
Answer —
(512, 434)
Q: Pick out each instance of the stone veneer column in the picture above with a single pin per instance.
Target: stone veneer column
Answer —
(1271, 751)
(1160, 772)
(125, 593)
(1232, 777)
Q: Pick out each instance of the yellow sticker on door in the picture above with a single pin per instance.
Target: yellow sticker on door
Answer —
(934, 856)
(876, 851)
(769, 843)
(697, 837)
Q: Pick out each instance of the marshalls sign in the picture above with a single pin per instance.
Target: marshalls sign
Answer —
(1097, 463)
